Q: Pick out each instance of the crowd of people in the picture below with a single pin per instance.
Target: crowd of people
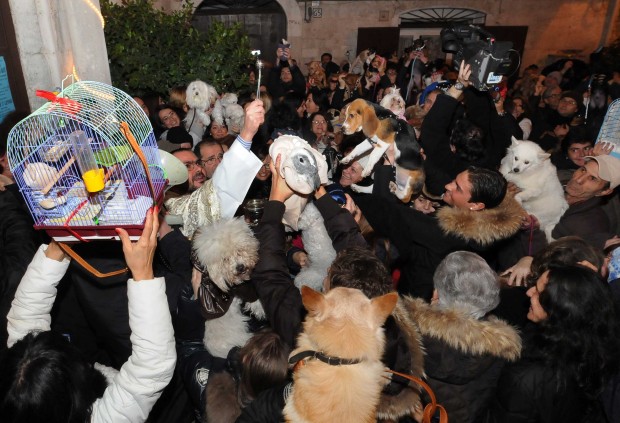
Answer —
(504, 324)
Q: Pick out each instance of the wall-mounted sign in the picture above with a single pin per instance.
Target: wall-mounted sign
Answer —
(6, 100)
(317, 12)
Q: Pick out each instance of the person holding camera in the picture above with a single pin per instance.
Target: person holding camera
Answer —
(285, 76)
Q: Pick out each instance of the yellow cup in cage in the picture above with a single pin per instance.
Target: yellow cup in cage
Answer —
(93, 180)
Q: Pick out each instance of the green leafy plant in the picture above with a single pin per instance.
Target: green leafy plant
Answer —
(150, 50)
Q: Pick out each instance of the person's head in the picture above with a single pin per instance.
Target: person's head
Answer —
(264, 364)
(211, 154)
(424, 204)
(262, 152)
(351, 174)
(551, 97)
(43, 378)
(569, 103)
(218, 130)
(577, 150)
(359, 268)
(554, 79)
(519, 108)
(429, 100)
(463, 280)
(285, 74)
(167, 116)
(577, 325)
(476, 189)
(467, 141)
(195, 172)
(332, 82)
(391, 73)
(296, 101)
(566, 251)
(596, 178)
(319, 124)
(326, 58)
(142, 105)
(316, 101)
(177, 97)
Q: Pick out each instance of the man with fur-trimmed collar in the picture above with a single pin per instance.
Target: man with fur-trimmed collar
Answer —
(477, 214)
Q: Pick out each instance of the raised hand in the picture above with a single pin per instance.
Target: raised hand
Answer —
(139, 255)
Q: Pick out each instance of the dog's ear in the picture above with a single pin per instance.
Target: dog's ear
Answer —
(382, 307)
(370, 123)
(543, 156)
(313, 300)
(513, 141)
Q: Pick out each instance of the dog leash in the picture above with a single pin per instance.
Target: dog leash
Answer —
(432, 407)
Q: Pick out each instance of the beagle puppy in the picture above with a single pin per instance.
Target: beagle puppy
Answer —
(383, 128)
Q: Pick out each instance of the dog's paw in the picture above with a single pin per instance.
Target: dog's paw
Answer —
(347, 159)
(367, 171)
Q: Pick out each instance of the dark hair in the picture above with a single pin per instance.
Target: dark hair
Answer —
(283, 115)
(487, 186)
(161, 107)
(566, 251)
(151, 99)
(327, 54)
(196, 150)
(293, 99)
(580, 338)
(264, 364)
(320, 97)
(509, 107)
(468, 140)
(43, 378)
(359, 268)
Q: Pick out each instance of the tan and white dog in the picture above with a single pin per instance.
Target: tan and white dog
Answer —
(382, 128)
(339, 374)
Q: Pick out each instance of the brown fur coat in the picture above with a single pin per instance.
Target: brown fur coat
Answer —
(484, 226)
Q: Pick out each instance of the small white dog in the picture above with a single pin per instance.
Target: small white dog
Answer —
(226, 252)
(226, 110)
(393, 101)
(199, 96)
(529, 168)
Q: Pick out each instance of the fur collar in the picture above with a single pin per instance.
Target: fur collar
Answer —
(464, 333)
(485, 226)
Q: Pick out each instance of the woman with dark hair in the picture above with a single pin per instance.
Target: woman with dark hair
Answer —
(283, 119)
(570, 351)
(169, 120)
(43, 378)
(520, 110)
(319, 131)
(316, 101)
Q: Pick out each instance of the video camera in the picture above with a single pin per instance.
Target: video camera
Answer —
(489, 59)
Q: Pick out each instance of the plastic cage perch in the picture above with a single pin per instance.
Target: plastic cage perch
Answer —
(76, 168)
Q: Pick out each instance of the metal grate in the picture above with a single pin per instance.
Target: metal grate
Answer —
(442, 15)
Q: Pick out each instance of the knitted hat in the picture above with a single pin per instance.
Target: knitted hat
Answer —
(608, 169)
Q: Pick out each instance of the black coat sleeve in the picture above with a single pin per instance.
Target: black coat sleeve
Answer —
(341, 227)
(279, 296)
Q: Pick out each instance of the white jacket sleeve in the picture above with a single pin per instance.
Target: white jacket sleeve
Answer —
(233, 177)
(35, 295)
(149, 369)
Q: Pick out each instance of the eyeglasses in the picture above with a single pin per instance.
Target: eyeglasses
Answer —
(211, 160)
(264, 167)
(319, 122)
(568, 101)
(168, 116)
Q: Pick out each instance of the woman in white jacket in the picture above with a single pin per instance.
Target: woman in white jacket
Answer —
(43, 378)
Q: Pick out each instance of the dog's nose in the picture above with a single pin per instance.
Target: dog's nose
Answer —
(515, 170)
(241, 268)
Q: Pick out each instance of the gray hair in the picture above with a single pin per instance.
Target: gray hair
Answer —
(465, 281)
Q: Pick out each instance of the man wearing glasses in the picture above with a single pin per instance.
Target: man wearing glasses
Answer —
(195, 172)
(211, 154)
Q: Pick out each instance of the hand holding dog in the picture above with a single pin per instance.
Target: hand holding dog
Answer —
(139, 255)
(254, 117)
(280, 191)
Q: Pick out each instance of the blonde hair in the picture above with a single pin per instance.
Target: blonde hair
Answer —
(177, 97)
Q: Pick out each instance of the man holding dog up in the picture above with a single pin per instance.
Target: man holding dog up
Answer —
(355, 266)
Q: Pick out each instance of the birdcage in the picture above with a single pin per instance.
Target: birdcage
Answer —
(86, 163)
(610, 130)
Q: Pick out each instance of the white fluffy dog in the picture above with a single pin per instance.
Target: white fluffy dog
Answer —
(393, 101)
(226, 110)
(318, 245)
(529, 168)
(199, 96)
(226, 252)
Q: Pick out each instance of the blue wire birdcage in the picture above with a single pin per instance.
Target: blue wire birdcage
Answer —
(78, 163)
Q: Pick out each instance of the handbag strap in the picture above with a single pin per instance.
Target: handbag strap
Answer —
(75, 256)
(432, 407)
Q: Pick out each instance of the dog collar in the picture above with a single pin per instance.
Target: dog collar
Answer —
(332, 361)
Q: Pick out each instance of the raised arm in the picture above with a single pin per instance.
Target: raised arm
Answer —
(148, 370)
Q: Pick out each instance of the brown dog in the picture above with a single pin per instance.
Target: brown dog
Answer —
(383, 128)
(316, 75)
(339, 375)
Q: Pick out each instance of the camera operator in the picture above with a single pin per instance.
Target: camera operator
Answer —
(414, 66)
